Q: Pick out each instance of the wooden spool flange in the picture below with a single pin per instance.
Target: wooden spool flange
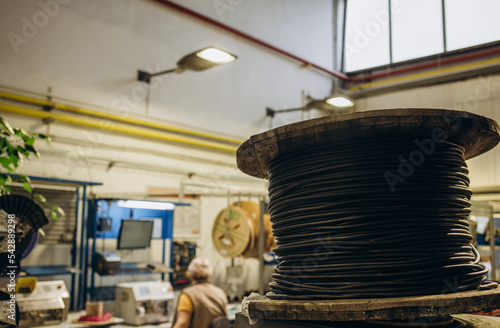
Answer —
(476, 133)
(390, 309)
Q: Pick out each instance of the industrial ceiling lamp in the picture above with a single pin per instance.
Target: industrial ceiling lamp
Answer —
(338, 98)
(328, 104)
(152, 205)
(340, 101)
(197, 61)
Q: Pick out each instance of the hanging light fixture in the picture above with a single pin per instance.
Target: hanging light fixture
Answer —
(152, 205)
(197, 61)
(340, 101)
(328, 104)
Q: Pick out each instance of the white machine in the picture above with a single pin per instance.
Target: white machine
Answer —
(146, 302)
(47, 304)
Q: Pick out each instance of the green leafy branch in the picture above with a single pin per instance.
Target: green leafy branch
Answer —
(15, 146)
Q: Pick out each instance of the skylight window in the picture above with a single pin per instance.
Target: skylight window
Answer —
(381, 32)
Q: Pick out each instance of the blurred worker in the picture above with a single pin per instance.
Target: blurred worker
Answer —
(201, 305)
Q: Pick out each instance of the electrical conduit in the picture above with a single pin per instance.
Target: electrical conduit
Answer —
(115, 117)
(121, 128)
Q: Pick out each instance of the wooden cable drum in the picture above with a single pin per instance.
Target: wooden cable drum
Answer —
(270, 242)
(373, 205)
(240, 235)
(252, 210)
(232, 235)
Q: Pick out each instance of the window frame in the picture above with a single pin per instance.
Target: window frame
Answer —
(391, 64)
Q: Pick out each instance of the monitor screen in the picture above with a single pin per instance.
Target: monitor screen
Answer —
(135, 234)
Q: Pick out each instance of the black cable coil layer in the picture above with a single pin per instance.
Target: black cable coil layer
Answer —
(372, 219)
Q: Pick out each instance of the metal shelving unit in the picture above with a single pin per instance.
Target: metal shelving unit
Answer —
(75, 268)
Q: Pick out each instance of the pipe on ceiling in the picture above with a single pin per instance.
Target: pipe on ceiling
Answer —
(248, 37)
(121, 128)
(406, 78)
(436, 63)
(147, 151)
(149, 167)
(118, 118)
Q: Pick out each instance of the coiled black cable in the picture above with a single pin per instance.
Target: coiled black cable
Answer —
(371, 219)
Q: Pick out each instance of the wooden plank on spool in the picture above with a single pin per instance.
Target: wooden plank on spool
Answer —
(398, 308)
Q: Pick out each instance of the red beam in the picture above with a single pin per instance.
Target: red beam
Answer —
(248, 37)
(436, 63)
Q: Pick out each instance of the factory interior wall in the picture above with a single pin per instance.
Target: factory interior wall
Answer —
(88, 53)
(479, 95)
(91, 50)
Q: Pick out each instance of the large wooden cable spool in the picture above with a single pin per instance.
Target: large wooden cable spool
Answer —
(475, 134)
(270, 242)
(239, 236)
(252, 210)
(231, 233)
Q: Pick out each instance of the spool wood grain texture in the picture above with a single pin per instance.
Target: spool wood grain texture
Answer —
(398, 308)
(476, 133)
(456, 321)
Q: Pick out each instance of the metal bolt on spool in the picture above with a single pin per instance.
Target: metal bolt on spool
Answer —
(369, 211)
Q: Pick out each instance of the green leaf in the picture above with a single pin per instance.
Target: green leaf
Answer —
(54, 215)
(29, 141)
(58, 209)
(27, 187)
(6, 126)
(6, 162)
(24, 178)
(43, 136)
(9, 149)
(40, 198)
(21, 151)
(32, 150)
(15, 152)
(5, 178)
(21, 133)
(15, 159)
(5, 190)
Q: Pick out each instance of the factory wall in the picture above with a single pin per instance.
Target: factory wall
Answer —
(91, 50)
(87, 53)
(480, 95)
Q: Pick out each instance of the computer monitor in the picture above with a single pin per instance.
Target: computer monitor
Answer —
(135, 234)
